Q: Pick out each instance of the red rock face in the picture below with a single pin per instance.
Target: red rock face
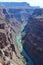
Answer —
(1, 64)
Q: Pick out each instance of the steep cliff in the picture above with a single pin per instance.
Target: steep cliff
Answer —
(32, 37)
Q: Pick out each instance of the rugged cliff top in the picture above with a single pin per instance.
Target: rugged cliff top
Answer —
(14, 5)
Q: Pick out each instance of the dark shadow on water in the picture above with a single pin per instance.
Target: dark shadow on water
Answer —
(27, 58)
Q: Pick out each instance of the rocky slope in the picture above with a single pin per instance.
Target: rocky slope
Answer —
(14, 16)
(9, 52)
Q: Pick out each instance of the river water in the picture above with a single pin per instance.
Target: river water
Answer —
(20, 47)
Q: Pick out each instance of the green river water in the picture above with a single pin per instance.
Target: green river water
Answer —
(20, 47)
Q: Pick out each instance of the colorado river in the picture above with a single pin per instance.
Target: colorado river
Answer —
(20, 47)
